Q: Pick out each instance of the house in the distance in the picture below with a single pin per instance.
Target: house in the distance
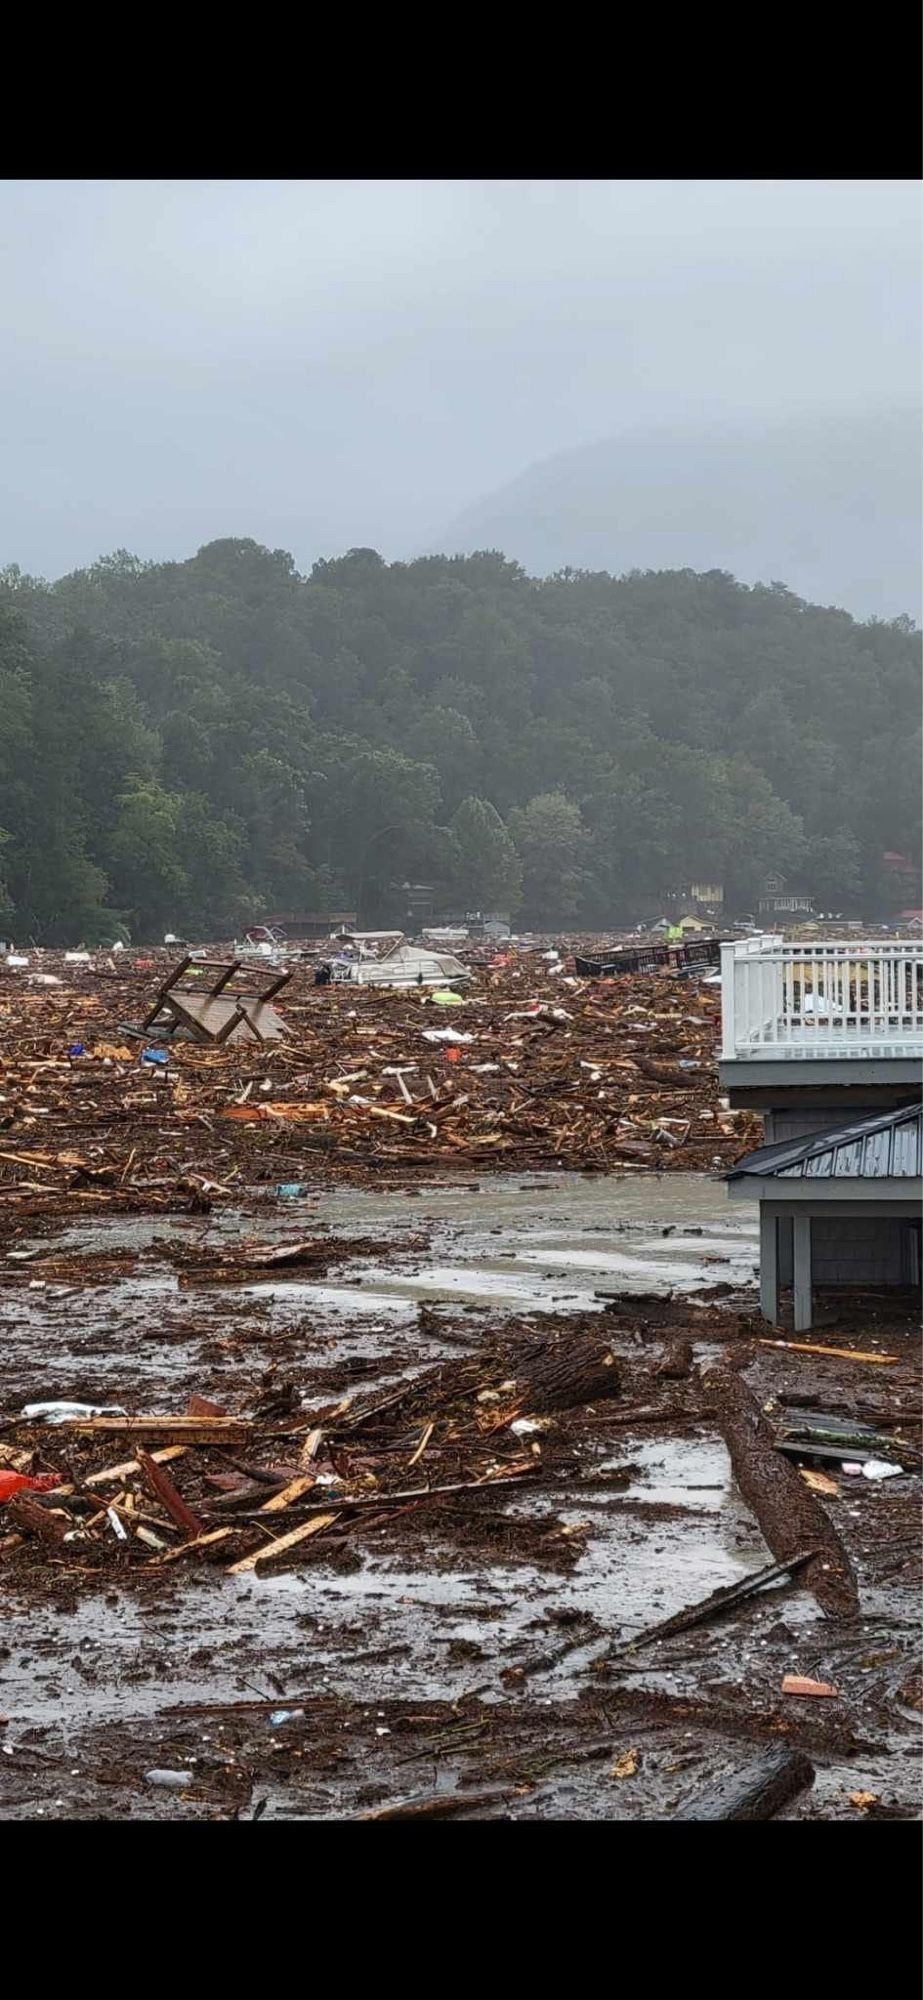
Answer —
(826, 1042)
(780, 904)
(697, 899)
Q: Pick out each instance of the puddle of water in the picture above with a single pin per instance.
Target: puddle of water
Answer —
(314, 1628)
(693, 1472)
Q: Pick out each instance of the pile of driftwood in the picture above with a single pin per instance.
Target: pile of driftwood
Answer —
(249, 1491)
(533, 1068)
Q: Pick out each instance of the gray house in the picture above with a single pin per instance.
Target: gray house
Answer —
(837, 1208)
(826, 1042)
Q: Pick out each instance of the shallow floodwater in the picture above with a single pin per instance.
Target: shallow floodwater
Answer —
(416, 1620)
(546, 1242)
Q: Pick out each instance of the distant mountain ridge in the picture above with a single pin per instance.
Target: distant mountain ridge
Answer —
(828, 504)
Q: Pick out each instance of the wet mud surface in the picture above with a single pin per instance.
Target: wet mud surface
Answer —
(466, 1645)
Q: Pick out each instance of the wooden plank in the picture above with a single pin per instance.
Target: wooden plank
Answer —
(176, 974)
(311, 1446)
(39, 1521)
(269, 992)
(270, 1549)
(841, 1353)
(114, 1473)
(233, 1021)
(225, 975)
(295, 1489)
(164, 1490)
(421, 1447)
(201, 1542)
(181, 1430)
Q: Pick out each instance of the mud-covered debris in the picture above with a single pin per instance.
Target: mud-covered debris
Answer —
(624, 1077)
(790, 1516)
(757, 1791)
(676, 1362)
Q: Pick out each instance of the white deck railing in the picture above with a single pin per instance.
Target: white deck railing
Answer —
(804, 1000)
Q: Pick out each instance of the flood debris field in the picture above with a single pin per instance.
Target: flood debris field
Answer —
(497, 1501)
(531, 1069)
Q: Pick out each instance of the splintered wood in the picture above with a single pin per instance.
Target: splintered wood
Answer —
(617, 1073)
(290, 1541)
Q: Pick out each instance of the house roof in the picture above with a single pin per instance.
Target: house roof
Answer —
(886, 1146)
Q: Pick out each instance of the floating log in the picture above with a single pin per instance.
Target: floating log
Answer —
(757, 1791)
(443, 1805)
(675, 1364)
(789, 1515)
(31, 1519)
(562, 1374)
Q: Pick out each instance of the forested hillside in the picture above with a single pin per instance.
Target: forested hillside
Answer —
(192, 744)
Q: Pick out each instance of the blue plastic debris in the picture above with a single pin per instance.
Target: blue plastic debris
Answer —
(155, 1056)
(280, 1715)
(76, 1049)
(290, 1190)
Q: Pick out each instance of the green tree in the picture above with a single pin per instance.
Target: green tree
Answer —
(489, 874)
(550, 839)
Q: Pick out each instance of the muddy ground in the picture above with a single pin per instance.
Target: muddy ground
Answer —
(464, 1645)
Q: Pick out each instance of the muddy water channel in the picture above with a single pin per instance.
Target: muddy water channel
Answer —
(442, 1652)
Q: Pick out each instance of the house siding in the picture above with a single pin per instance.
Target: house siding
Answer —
(867, 1251)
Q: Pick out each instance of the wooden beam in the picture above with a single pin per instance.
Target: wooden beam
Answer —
(276, 987)
(801, 1255)
(164, 1490)
(233, 1021)
(225, 975)
(295, 1490)
(769, 1266)
(277, 1548)
(178, 1430)
(758, 1791)
(176, 974)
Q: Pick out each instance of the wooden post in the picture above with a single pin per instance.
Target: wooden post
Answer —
(270, 992)
(801, 1252)
(769, 1265)
(225, 974)
(175, 977)
(233, 1021)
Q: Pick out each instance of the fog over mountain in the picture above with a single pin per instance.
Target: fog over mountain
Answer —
(698, 373)
(829, 504)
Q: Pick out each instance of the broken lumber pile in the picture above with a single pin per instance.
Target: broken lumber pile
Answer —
(453, 1438)
(534, 1070)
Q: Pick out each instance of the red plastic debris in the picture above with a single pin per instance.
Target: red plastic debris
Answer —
(20, 1482)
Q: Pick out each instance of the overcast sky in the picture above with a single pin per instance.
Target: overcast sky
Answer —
(322, 364)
